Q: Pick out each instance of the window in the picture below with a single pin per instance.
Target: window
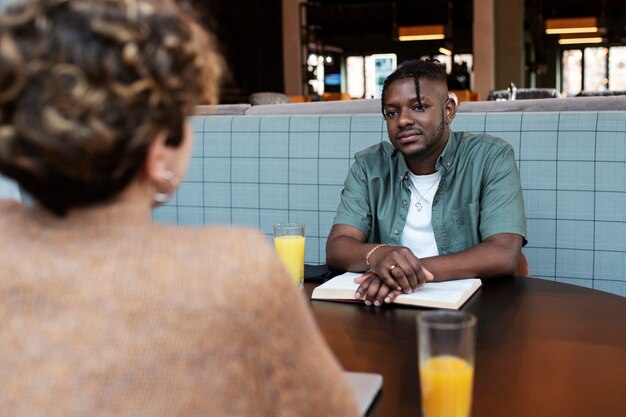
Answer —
(617, 68)
(572, 71)
(366, 75)
(593, 69)
(356, 76)
(595, 74)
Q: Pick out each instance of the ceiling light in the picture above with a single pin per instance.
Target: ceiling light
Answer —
(421, 33)
(572, 25)
(580, 38)
(576, 41)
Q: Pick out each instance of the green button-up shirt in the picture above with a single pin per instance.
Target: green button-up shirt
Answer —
(479, 195)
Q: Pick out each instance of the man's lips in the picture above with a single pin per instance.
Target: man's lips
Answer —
(408, 136)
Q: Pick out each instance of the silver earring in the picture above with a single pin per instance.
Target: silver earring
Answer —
(160, 198)
(163, 198)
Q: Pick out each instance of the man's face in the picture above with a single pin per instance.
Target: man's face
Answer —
(418, 132)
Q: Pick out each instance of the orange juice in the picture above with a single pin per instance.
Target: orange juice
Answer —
(446, 387)
(290, 248)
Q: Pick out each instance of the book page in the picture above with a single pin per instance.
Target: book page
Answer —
(440, 291)
(343, 281)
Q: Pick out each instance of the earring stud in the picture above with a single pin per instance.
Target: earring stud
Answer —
(162, 198)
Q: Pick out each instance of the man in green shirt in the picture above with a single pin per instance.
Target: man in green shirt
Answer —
(431, 205)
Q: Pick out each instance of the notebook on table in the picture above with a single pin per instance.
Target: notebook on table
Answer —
(366, 387)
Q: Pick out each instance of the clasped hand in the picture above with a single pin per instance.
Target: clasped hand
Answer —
(394, 270)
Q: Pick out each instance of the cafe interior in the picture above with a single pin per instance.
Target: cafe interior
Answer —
(300, 98)
(341, 49)
(545, 75)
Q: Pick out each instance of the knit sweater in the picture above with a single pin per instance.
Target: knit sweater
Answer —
(103, 313)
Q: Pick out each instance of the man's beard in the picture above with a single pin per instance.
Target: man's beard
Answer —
(430, 147)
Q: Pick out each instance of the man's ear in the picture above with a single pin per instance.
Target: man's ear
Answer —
(449, 110)
(156, 158)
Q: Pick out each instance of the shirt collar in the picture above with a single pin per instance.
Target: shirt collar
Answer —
(403, 169)
(446, 158)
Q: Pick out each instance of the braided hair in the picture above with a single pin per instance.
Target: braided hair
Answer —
(431, 69)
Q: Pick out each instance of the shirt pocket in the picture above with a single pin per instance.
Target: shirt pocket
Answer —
(465, 225)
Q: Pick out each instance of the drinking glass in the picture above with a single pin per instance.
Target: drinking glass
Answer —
(446, 345)
(289, 244)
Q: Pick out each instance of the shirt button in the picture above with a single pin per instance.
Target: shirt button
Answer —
(396, 232)
(404, 202)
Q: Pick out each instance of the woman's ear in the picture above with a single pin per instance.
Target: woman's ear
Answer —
(161, 181)
(156, 158)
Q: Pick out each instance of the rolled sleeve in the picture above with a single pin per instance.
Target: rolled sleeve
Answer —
(354, 207)
(502, 202)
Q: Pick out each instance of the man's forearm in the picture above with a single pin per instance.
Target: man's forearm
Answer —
(495, 257)
(345, 253)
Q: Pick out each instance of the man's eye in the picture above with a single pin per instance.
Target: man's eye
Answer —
(391, 113)
(419, 108)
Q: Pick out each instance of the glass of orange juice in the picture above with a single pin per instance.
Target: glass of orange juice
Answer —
(446, 345)
(289, 243)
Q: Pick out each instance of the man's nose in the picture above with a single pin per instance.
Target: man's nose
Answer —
(405, 119)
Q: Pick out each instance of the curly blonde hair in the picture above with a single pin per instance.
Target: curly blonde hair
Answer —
(86, 86)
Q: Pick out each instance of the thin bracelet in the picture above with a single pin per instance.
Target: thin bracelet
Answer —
(367, 257)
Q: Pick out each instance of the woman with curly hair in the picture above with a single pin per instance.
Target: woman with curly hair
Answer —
(102, 312)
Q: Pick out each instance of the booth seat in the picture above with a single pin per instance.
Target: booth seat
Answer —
(372, 106)
(261, 169)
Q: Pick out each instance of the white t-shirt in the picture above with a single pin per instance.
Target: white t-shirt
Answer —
(418, 233)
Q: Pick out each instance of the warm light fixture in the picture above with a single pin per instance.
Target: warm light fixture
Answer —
(421, 33)
(445, 51)
(572, 25)
(582, 40)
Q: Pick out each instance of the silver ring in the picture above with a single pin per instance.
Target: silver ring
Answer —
(392, 267)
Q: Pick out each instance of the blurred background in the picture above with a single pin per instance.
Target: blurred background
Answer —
(344, 48)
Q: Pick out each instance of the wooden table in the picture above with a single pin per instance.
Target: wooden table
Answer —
(543, 349)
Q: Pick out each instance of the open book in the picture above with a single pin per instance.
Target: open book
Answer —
(447, 294)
